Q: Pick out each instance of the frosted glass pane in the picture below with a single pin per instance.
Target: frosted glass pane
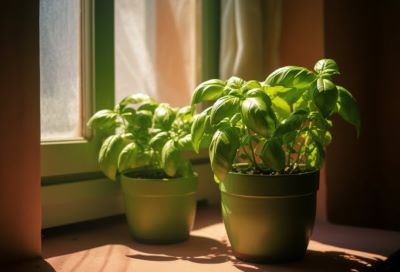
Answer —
(155, 49)
(60, 85)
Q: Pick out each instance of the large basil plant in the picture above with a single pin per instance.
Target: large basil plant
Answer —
(140, 134)
(277, 126)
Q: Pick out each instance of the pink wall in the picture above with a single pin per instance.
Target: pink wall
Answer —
(20, 218)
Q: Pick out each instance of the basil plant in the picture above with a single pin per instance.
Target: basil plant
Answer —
(276, 126)
(144, 136)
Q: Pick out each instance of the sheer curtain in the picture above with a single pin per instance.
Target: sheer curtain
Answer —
(250, 38)
(156, 49)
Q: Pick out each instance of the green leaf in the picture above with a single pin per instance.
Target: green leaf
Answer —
(209, 90)
(163, 117)
(291, 95)
(348, 109)
(223, 148)
(273, 155)
(170, 158)
(185, 113)
(109, 154)
(316, 155)
(251, 84)
(225, 106)
(323, 137)
(159, 140)
(135, 99)
(281, 108)
(326, 67)
(143, 120)
(199, 126)
(129, 115)
(235, 82)
(258, 115)
(289, 137)
(291, 77)
(132, 157)
(103, 119)
(319, 120)
(325, 96)
(292, 123)
(149, 106)
(185, 143)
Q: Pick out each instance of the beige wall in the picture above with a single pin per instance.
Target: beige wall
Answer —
(20, 133)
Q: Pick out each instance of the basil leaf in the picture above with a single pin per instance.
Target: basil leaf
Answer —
(163, 117)
(103, 119)
(135, 99)
(223, 149)
(185, 113)
(199, 126)
(235, 82)
(291, 95)
(347, 108)
(291, 77)
(143, 120)
(159, 140)
(258, 115)
(292, 123)
(132, 157)
(251, 84)
(281, 108)
(325, 96)
(170, 158)
(209, 90)
(109, 154)
(326, 67)
(225, 106)
(185, 143)
(273, 155)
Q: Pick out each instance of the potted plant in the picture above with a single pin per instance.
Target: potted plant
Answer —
(143, 148)
(266, 150)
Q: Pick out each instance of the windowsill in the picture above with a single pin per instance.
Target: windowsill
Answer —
(106, 246)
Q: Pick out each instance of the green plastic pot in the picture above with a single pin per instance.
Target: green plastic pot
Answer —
(269, 219)
(160, 211)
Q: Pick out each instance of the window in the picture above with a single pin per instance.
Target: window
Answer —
(69, 56)
(61, 70)
(70, 176)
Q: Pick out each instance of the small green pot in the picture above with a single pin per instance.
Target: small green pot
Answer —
(160, 211)
(269, 219)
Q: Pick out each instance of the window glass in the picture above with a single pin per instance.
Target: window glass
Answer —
(60, 69)
(156, 49)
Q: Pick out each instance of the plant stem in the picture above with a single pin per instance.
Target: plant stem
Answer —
(252, 153)
(303, 143)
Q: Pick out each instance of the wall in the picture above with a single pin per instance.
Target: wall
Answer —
(20, 133)
(302, 44)
(363, 185)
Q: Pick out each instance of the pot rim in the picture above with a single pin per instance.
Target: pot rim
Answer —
(265, 185)
(275, 176)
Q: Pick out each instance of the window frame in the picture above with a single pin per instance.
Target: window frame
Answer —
(76, 186)
(97, 79)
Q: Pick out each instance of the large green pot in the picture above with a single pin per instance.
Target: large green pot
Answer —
(269, 219)
(160, 211)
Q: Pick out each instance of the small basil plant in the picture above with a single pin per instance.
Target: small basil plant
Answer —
(144, 136)
(272, 127)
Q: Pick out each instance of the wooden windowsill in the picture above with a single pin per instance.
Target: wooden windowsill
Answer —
(106, 246)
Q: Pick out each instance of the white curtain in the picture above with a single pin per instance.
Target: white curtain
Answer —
(156, 49)
(250, 38)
